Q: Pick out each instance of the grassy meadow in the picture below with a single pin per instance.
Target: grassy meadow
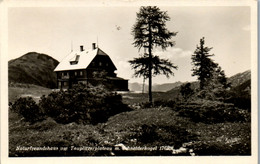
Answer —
(162, 128)
(22, 90)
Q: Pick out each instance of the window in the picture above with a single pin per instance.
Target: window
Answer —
(81, 73)
(107, 64)
(65, 74)
(100, 63)
(76, 73)
(75, 60)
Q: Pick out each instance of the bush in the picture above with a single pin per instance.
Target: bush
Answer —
(27, 107)
(241, 101)
(186, 91)
(240, 147)
(159, 103)
(240, 95)
(212, 112)
(164, 103)
(45, 125)
(153, 135)
(82, 104)
(148, 133)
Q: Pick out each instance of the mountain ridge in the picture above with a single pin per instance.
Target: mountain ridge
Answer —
(240, 84)
(33, 68)
(37, 68)
(156, 87)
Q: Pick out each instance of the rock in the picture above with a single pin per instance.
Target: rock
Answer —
(120, 146)
(181, 150)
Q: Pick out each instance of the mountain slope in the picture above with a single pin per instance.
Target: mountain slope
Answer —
(156, 87)
(240, 78)
(33, 68)
(166, 86)
(240, 93)
(240, 84)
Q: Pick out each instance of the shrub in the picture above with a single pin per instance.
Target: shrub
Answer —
(45, 125)
(27, 107)
(173, 135)
(159, 103)
(148, 133)
(212, 112)
(82, 104)
(240, 98)
(186, 90)
(147, 105)
(164, 103)
(240, 147)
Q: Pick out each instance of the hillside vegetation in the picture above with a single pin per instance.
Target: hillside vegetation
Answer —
(178, 122)
(171, 126)
(239, 92)
(148, 127)
(33, 68)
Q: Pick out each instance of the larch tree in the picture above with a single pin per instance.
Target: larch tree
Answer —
(150, 31)
(159, 66)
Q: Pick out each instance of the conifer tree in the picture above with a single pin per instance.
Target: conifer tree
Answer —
(159, 66)
(203, 65)
(150, 31)
(212, 79)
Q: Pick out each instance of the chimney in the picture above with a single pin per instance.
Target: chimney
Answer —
(93, 46)
(81, 48)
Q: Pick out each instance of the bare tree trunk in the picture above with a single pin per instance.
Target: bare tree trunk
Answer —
(150, 78)
(150, 65)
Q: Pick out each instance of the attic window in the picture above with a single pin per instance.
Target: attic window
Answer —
(75, 60)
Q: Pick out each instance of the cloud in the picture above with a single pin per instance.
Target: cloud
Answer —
(124, 69)
(124, 64)
(173, 53)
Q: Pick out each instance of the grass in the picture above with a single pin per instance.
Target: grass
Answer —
(225, 135)
(149, 127)
(138, 98)
(19, 90)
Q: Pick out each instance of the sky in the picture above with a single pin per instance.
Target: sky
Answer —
(56, 30)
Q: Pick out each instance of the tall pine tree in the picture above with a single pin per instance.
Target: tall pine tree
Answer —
(150, 31)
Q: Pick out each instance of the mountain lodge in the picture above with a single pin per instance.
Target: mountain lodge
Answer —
(92, 66)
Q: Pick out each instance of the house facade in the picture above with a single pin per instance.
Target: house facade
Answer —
(92, 67)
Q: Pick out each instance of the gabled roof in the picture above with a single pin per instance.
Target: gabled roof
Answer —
(79, 59)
